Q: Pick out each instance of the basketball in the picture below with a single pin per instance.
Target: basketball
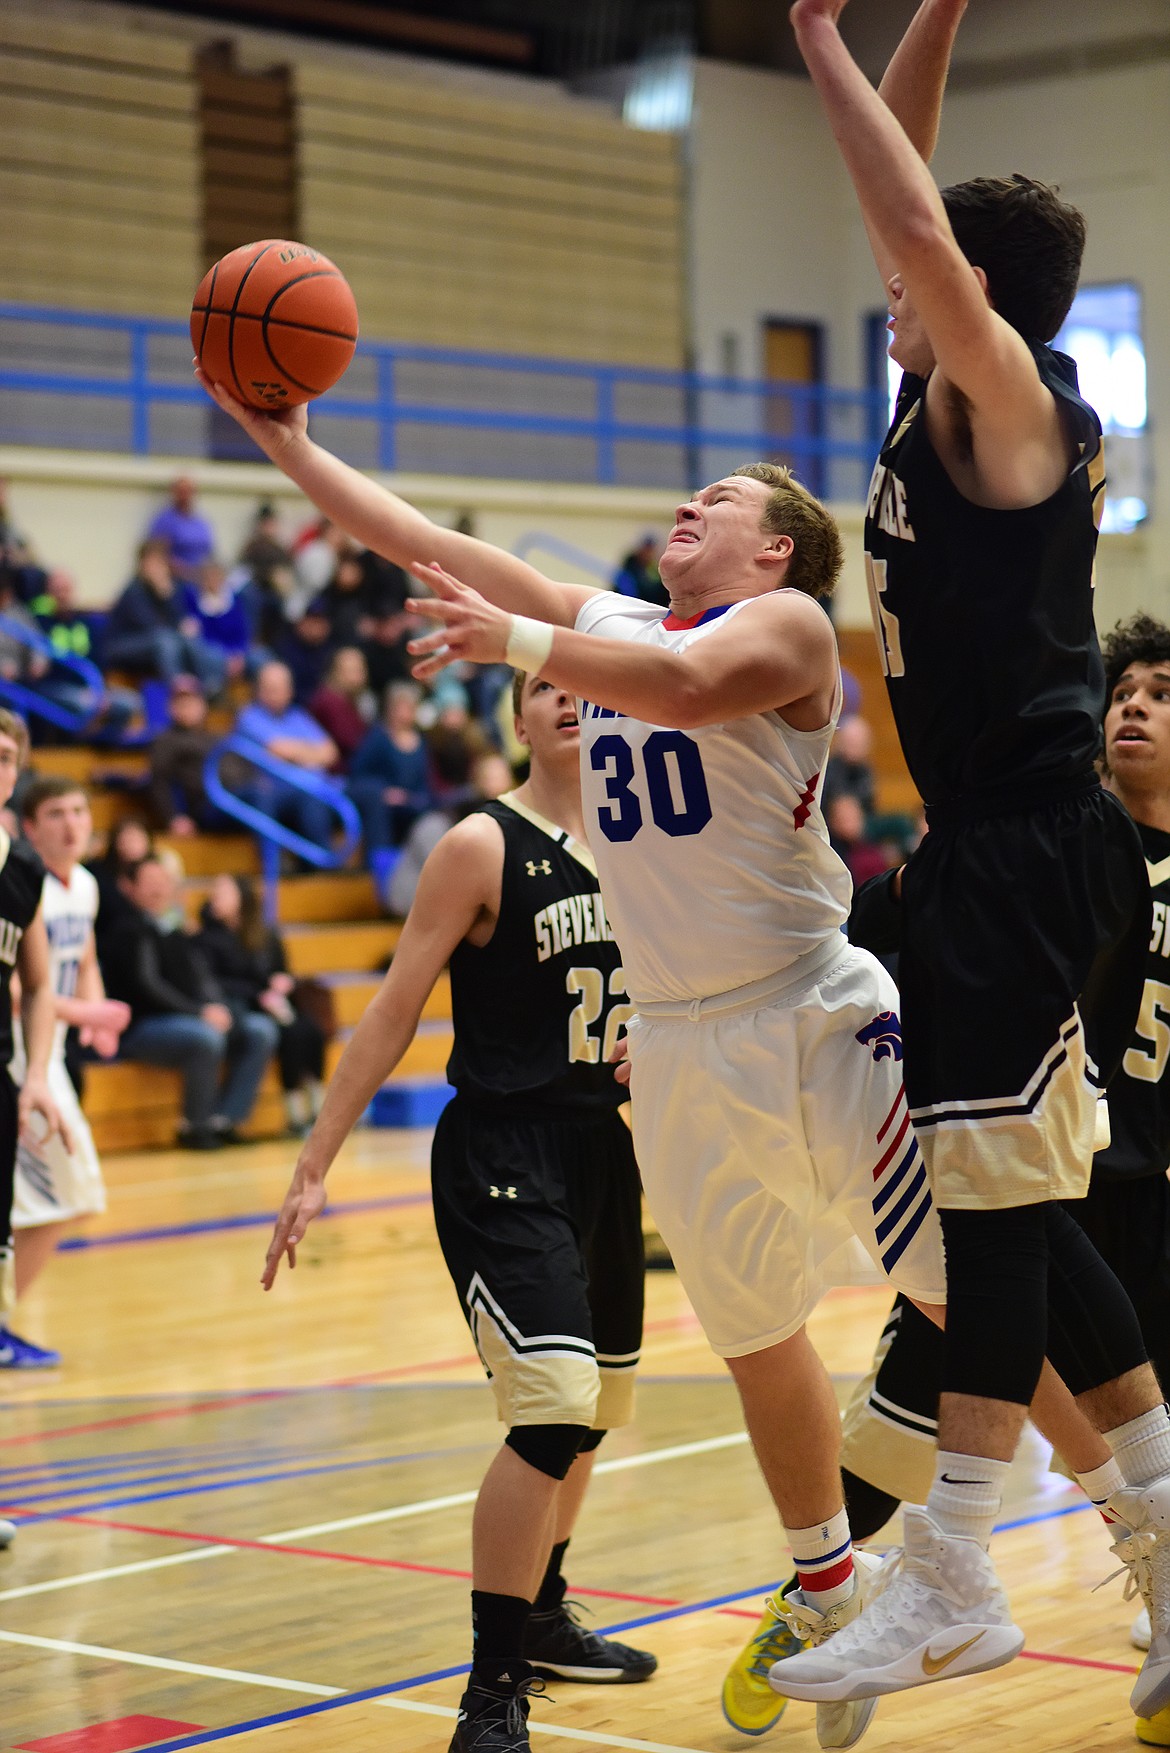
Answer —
(274, 322)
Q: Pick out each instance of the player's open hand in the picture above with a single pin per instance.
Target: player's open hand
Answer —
(304, 1201)
(39, 1117)
(273, 432)
(471, 630)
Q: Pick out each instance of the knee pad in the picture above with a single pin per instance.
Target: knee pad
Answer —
(590, 1441)
(550, 1448)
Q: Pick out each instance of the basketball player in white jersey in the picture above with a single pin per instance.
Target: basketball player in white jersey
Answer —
(56, 1181)
(769, 1118)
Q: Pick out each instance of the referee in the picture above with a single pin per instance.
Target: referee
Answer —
(536, 1194)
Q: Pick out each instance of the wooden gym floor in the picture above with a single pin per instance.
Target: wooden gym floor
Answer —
(246, 1518)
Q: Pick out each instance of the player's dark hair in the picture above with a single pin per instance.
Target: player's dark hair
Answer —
(40, 791)
(1141, 639)
(1028, 242)
(519, 677)
(817, 551)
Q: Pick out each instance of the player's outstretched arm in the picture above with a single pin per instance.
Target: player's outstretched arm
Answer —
(773, 654)
(387, 524)
(459, 885)
(975, 350)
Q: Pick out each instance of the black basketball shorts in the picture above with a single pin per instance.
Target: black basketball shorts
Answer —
(1025, 928)
(9, 1130)
(540, 1223)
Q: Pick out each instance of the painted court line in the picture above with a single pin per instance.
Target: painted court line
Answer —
(246, 1220)
(336, 1697)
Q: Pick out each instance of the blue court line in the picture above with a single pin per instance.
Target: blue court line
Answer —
(257, 1479)
(1069, 1509)
(250, 1220)
(61, 1493)
(12, 1480)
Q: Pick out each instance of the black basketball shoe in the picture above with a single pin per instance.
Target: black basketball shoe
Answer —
(557, 1644)
(494, 1719)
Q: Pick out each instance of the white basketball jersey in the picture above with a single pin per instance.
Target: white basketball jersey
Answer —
(713, 856)
(68, 910)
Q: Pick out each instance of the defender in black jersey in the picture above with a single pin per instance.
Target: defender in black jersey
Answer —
(1023, 933)
(536, 1193)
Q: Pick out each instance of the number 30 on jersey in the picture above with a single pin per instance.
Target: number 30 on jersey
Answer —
(672, 770)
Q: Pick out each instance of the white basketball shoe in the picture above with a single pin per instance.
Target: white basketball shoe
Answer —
(840, 1723)
(7, 1534)
(1143, 1545)
(941, 1615)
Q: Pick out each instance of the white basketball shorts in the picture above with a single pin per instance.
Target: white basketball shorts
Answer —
(776, 1147)
(54, 1184)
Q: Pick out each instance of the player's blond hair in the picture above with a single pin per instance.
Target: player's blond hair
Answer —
(818, 553)
(13, 725)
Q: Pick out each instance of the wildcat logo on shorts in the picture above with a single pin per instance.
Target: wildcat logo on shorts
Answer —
(883, 1036)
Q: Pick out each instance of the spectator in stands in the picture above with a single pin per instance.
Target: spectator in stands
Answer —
(388, 775)
(342, 705)
(272, 579)
(315, 555)
(637, 576)
(16, 552)
(491, 776)
(130, 841)
(245, 954)
(176, 793)
(178, 1015)
(107, 712)
(223, 620)
(849, 771)
(153, 628)
(353, 601)
(188, 538)
(845, 820)
(19, 662)
(454, 742)
(60, 620)
(305, 648)
(289, 733)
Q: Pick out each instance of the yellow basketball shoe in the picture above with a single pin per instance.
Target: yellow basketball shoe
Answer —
(1154, 1731)
(749, 1703)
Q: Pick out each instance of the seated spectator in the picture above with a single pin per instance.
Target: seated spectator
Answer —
(16, 552)
(354, 600)
(845, 820)
(454, 742)
(19, 661)
(272, 581)
(129, 842)
(637, 576)
(342, 705)
(490, 777)
(153, 629)
(849, 770)
(178, 1015)
(176, 794)
(187, 537)
(290, 734)
(223, 620)
(315, 555)
(246, 956)
(388, 775)
(68, 632)
(306, 647)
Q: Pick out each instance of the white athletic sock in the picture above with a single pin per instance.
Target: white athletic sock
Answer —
(1142, 1447)
(966, 1494)
(823, 1555)
(1099, 1484)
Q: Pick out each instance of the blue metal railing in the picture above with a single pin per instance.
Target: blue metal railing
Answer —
(93, 380)
(273, 835)
(31, 701)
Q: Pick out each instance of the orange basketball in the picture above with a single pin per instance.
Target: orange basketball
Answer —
(274, 322)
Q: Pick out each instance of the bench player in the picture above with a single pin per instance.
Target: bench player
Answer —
(1023, 931)
(31, 1111)
(55, 1184)
(536, 1192)
(766, 1090)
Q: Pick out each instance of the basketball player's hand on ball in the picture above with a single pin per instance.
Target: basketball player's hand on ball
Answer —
(39, 1116)
(274, 432)
(304, 1201)
(471, 630)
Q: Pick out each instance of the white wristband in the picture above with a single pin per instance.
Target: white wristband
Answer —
(529, 644)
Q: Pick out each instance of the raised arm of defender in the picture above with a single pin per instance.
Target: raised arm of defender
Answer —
(777, 654)
(985, 379)
(458, 896)
(391, 527)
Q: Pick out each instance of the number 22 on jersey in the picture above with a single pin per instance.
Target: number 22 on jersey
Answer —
(675, 785)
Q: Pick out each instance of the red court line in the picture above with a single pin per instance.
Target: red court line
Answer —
(1079, 1662)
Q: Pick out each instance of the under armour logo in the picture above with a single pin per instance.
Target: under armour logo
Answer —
(544, 868)
(502, 1192)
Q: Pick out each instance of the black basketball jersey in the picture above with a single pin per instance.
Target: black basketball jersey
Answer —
(984, 618)
(538, 1010)
(1139, 1094)
(22, 876)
